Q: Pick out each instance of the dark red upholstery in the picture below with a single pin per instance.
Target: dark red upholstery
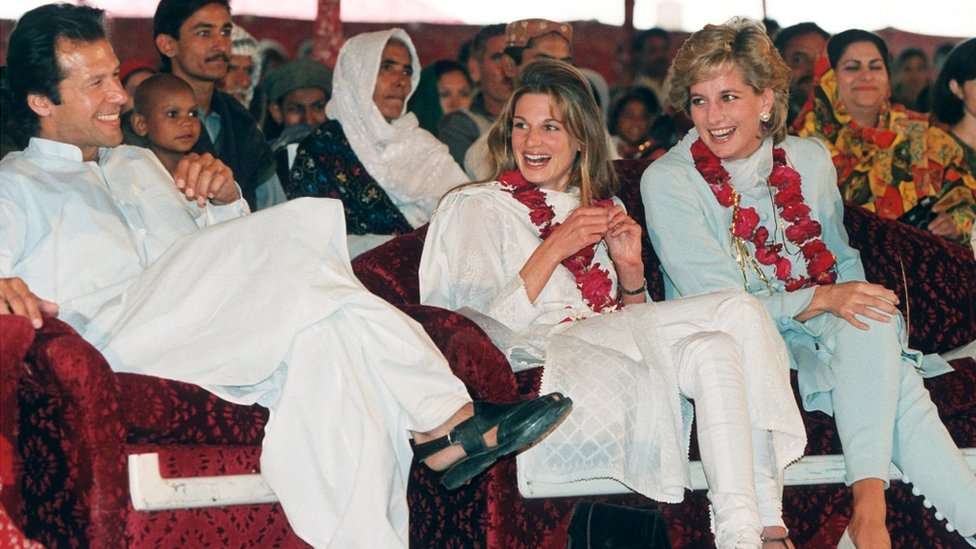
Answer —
(72, 421)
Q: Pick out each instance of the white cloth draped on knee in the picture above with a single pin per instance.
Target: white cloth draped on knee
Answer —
(281, 320)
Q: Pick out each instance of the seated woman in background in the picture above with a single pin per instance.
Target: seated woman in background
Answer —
(954, 105)
(444, 88)
(553, 269)
(887, 157)
(371, 154)
(737, 204)
(636, 125)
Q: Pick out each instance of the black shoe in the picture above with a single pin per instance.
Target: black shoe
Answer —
(520, 425)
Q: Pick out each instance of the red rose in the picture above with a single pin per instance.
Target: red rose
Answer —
(767, 255)
(779, 156)
(595, 285)
(783, 268)
(788, 193)
(540, 216)
(783, 175)
(812, 248)
(820, 263)
(803, 231)
(826, 277)
(745, 222)
(724, 194)
(795, 211)
(760, 237)
(795, 284)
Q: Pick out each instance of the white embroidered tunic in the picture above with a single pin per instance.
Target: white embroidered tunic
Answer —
(629, 421)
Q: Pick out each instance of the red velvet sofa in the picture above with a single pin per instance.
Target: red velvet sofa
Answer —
(70, 422)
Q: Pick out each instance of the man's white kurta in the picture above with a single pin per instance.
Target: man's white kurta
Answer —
(263, 308)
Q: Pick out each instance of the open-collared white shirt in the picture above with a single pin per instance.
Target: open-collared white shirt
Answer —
(79, 232)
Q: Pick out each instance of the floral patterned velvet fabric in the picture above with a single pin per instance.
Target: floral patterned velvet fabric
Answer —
(70, 422)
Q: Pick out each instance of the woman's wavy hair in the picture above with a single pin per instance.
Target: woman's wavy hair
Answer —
(741, 43)
(572, 97)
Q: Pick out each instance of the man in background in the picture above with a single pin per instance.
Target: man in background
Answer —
(193, 38)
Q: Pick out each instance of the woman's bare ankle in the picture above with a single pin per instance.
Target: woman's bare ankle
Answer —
(776, 537)
(867, 527)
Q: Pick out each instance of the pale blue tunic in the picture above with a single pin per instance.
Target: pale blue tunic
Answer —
(869, 380)
(698, 257)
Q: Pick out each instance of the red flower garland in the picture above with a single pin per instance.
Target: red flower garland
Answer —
(802, 231)
(593, 282)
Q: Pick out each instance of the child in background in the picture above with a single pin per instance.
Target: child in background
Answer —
(167, 116)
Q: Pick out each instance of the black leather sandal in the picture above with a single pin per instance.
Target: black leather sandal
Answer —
(520, 425)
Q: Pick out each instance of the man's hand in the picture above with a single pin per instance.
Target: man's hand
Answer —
(202, 177)
(17, 299)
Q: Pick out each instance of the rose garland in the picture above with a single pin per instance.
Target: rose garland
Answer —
(592, 280)
(788, 197)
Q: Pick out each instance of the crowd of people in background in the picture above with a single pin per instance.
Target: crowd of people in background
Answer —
(236, 127)
(457, 100)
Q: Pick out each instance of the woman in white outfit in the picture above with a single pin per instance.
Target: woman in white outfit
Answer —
(551, 263)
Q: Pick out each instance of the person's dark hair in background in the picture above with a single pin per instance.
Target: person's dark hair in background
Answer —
(170, 16)
(940, 54)
(772, 26)
(786, 34)
(459, 129)
(910, 85)
(838, 44)
(650, 52)
(650, 137)
(464, 57)
(32, 61)
(800, 45)
(7, 126)
(959, 66)
(426, 102)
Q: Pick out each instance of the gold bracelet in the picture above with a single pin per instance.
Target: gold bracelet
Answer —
(638, 291)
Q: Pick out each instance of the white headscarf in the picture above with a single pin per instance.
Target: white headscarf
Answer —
(242, 43)
(412, 166)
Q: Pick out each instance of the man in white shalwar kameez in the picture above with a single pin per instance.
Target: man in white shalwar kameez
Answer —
(257, 308)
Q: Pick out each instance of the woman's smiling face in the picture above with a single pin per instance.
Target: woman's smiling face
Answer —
(726, 111)
(543, 148)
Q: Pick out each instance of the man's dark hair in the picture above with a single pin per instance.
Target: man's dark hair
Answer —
(481, 39)
(170, 16)
(960, 66)
(32, 57)
(445, 66)
(839, 43)
(909, 53)
(786, 34)
(637, 42)
(637, 93)
(464, 52)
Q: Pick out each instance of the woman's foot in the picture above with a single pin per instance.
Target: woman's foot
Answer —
(867, 528)
(776, 537)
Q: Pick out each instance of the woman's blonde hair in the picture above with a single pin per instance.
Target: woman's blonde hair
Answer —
(741, 43)
(572, 97)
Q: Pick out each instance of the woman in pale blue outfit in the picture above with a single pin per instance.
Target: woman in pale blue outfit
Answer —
(845, 336)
